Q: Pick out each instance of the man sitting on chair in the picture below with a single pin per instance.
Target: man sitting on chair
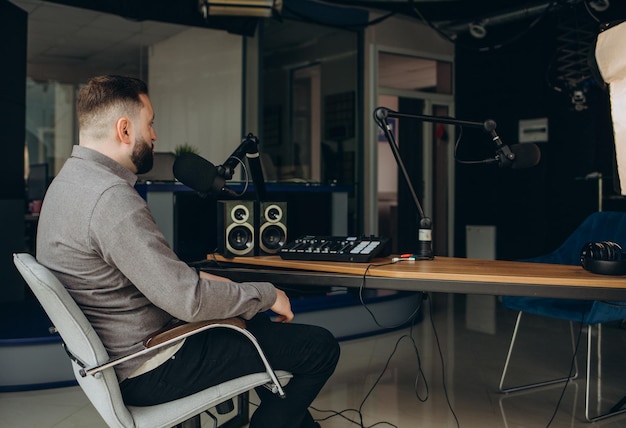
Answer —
(98, 237)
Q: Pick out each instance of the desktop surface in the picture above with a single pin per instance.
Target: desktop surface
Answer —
(445, 274)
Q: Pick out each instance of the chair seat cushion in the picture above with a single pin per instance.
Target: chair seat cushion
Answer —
(585, 311)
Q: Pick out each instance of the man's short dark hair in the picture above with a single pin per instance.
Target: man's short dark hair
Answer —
(102, 94)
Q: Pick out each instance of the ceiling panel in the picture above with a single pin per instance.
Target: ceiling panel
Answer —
(61, 38)
(69, 44)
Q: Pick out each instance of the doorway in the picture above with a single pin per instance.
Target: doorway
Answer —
(425, 148)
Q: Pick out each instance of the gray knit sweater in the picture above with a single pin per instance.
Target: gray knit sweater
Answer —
(97, 235)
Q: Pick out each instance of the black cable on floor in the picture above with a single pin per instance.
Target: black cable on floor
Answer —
(411, 318)
(420, 375)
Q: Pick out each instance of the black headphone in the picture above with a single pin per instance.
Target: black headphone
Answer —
(605, 258)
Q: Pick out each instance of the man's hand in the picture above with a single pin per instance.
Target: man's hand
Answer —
(282, 307)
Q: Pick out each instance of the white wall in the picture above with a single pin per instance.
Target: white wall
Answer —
(195, 82)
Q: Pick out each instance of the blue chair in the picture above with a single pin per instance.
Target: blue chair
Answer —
(598, 227)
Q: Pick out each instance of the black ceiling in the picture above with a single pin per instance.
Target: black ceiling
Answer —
(444, 10)
(449, 15)
(454, 16)
(184, 12)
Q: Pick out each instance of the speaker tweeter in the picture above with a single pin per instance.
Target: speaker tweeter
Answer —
(236, 228)
(272, 227)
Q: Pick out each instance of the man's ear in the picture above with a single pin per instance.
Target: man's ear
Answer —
(122, 129)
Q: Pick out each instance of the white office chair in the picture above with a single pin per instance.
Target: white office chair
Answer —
(93, 368)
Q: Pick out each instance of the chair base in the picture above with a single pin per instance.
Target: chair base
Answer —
(604, 416)
(190, 423)
(617, 409)
(238, 420)
(571, 376)
(504, 397)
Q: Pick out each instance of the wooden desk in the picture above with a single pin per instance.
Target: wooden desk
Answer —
(443, 274)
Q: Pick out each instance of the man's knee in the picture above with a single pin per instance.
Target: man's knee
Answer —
(328, 346)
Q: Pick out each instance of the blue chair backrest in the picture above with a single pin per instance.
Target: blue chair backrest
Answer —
(598, 227)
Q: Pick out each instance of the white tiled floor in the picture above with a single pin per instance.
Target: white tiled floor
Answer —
(472, 362)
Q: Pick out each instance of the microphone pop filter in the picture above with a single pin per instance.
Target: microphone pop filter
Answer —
(197, 173)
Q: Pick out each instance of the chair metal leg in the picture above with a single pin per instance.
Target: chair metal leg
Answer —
(501, 387)
(504, 397)
(618, 408)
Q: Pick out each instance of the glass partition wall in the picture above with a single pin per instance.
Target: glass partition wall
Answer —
(308, 89)
(309, 81)
(50, 123)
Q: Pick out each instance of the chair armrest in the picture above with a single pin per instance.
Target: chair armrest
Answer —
(167, 336)
(174, 334)
(180, 329)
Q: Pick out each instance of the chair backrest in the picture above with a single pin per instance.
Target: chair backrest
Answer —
(79, 337)
(597, 227)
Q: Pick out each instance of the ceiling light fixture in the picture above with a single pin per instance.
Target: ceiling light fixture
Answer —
(599, 5)
(249, 8)
(478, 30)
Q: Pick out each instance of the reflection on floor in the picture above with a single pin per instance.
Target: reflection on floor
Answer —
(409, 392)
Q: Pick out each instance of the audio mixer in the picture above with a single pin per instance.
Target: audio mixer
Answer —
(336, 248)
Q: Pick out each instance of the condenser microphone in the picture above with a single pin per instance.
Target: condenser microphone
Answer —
(199, 174)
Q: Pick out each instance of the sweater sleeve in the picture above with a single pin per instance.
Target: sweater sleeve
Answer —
(128, 238)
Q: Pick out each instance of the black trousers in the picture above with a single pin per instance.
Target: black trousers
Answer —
(310, 353)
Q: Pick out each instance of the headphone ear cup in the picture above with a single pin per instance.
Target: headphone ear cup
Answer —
(614, 250)
(592, 251)
(604, 258)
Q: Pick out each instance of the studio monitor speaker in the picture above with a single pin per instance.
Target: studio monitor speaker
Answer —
(272, 227)
(235, 231)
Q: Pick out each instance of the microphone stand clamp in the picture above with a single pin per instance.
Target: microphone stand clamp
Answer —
(249, 145)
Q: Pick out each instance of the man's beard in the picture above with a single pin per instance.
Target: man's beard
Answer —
(142, 156)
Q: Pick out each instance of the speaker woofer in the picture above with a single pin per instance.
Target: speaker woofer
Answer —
(240, 238)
